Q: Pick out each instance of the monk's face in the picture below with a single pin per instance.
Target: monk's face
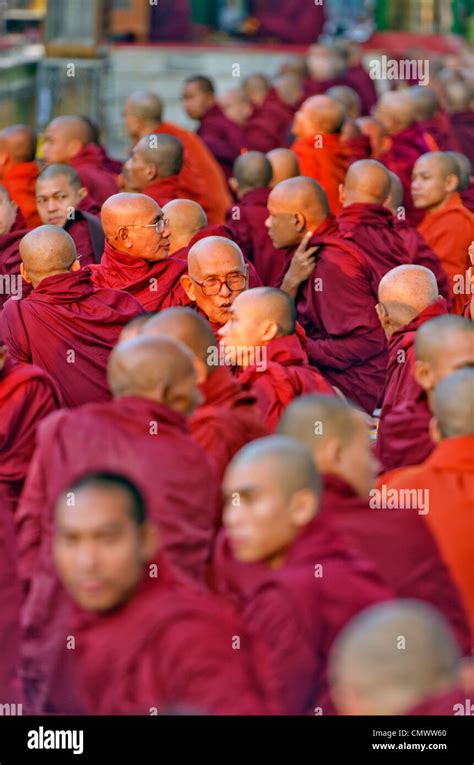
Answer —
(139, 172)
(196, 102)
(430, 185)
(58, 146)
(133, 123)
(259, 519)
(457, 354)
(285, 228)
(304, 122)
(99, 550)
(146, 235)
(56, 200)
(8, 212)
(216, 270)
(245, 327)
(235, 108)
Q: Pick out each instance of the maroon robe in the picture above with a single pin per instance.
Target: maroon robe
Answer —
(358, 78)
(223, 137)
(154, 447)
(372, 228)
(169, 647)
(88, 235)
(113, 166)
(406, 146)
(164, 190)
(10, 599)
(100, 183)
(10, 259)
(420, 253)
(27, 395)
(284, 375)
(298, 22)
(406, 438)
(268, 126)
(359, 147)
(68, 329)
(415, 568)
(442, 704)
(246, 219)
(462, 124)
(438, 131)
(467, 196)
(336, 307)
(319, 587)
(156, 285)
(227, 420)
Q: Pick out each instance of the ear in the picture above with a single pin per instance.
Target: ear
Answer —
(24, 275)
(384, 318)
(151, 541)
(124, 236)
(82, 192)
(424, 376)
(75, 146)
(304, 505)
(233, 183)
(269, 331)
(327, 455)
(201, 370)
(300, 224)
(452, 183)
(188, 286)
(435, 432)
(342, 194)
(151, 172)
(76, 266)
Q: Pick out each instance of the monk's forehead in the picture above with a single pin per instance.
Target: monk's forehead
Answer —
(60, 182)
(93, 507)
(214, 260)
(431, 164)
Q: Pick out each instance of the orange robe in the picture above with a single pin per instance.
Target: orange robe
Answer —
(447, 479)
(327, 163)
(201, 178)
(19, 180)
(449, 232)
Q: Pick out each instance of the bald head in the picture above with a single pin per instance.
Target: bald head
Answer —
(464, 167)
(404, 292)
(305, 199)
(425, 100)
(145, 104)
(158, 368)
(121, 209)
(127, 222)
(394, 201)
(255, 88)
(17, 144)
(154, 156)
(436, 176)
(47, 251)
(367, 181)
(186, 218)
(443, 345)
(235, 105)
(258, 307)
(458, 96)
(284, 164)
(453, 404)
(208, 252)
(348, 98)
(252, 170)
(289, 88)
(392, 657)
(190, 328)
(395, 110)
(64, 138)
(318, 114)
(134, 327)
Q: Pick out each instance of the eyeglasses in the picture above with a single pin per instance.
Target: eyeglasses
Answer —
(213, 285)
(159, 225)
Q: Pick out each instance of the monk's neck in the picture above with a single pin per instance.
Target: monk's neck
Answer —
(447, 201)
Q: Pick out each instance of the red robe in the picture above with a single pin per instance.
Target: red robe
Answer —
(164, 190)
(442, 704)
(438, 134)
(462, 124)
(406, 438)
(320, 586)
(284, 374)
(88, 236)
(68, 329)
(403, 150)
(298, 23)
(27, 395)
(155, 285)
(20, 181)
(246, 219)
(224, 138)
(372, 228)
(267, 127)
(336, 307)
(414, 569)
(89, 163)
(358, 78)
(327, 163)
(10, 599)
(153, 446)
(467, 197)
(169, 647)
(227, 420)
(420, 253)
(359, 147)
(10, 259)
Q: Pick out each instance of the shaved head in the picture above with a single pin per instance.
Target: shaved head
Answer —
(406, 291)
(436, 175)
(348, 98)
(289, 88)
(458, 96)
(145, 104)
(425, 101)
(73, 126)
(235, 105)
(453, 404)
(440, 332)
(464, 167)
(268, 303)
(395, 110)
(284, 164)
(318, 114)
(64, 138)
(122, 211)
(47, 251)
(134, 327)
(61, 170)
(255, 87)
(391, 657)
(395, 198)
(367, 181)
(154, 156)
(186, 219)
(187, 326)
(19, 142)
(212, 249)
(252, 170)
(295, 65)
(303, 196)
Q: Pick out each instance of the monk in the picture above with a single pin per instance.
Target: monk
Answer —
(143, 430)
(366, 221)
(154, 167)
(127, 619)
(284, 164)
(200, 177)
(466, 182)
(321, 155)
(458, 99)
(442, 346)
(223, 137)
(62, 201)
(252, 172)
(18, 169)
(67, 141)
(330, 280)
(396, 113)
(447, 477)
(12, 230)
(417, 249)
(186, 220)
(229, 416)
(372, 672)
(136, 251)
(348, 98)
(65, 326)
(271, 558)
(271, 113)
(337, 434)
(447, 226)
(10, 599)
(433, 121)
(216, 274)
(260, 339)
(27, 395)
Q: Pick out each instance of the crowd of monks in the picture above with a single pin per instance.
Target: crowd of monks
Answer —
(237, 401)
